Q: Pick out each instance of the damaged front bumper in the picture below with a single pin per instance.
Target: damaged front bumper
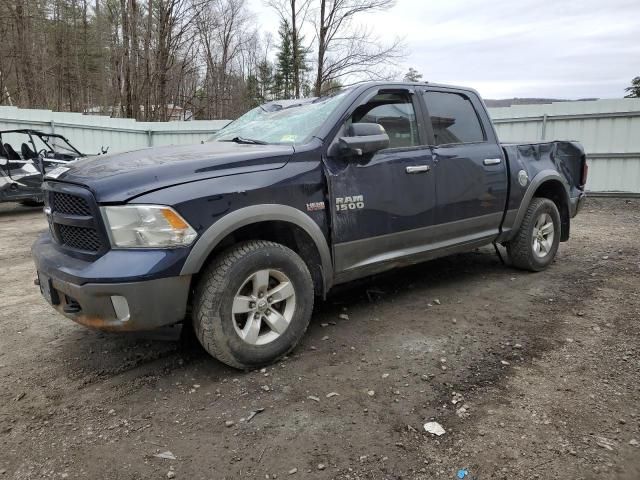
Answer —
(126, 305)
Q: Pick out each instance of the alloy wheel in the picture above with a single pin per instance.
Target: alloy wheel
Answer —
(542, 237)
(263, 307)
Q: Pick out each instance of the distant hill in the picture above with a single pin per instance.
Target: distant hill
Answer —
(507, 102)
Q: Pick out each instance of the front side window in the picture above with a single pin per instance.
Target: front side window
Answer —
(453, 118)
(395, 113)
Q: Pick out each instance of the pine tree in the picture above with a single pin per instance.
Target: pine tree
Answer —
(412, 75)
(265, 80)
(634, 90)
(284, 63)
(299, 64)
(253, 94)
(289, 67)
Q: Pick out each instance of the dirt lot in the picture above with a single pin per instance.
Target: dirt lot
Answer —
(544, 371)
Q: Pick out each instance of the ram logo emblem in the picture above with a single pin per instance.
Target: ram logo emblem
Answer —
(354, 202)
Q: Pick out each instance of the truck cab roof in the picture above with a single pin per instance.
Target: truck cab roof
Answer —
(387, 84)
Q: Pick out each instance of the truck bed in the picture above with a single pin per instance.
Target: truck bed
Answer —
(529, 161)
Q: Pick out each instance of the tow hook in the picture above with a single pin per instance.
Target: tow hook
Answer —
(72, 306)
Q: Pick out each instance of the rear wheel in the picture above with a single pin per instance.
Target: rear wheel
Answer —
(536, 243)
(253, 304)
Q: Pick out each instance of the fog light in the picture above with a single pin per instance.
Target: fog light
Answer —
(121, 307)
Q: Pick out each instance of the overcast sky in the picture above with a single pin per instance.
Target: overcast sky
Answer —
(514, 48)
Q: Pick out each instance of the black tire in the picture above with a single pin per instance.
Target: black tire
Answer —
(213, 321)
(521, 247)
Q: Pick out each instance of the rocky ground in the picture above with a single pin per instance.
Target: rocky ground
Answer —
(530, 375)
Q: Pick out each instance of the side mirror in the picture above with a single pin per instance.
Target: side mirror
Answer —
(363, 138)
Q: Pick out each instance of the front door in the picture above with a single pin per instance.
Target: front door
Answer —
(382, 202)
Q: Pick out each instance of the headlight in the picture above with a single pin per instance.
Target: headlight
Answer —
(147, 226)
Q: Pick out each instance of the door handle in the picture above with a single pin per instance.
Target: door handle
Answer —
(492, 161)
(418, 169)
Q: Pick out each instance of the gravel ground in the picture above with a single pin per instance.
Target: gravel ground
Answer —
(531, 376)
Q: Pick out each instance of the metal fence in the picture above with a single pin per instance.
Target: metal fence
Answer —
(88, 133)
(608, 129)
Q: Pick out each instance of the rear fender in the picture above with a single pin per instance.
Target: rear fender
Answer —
(540, 181)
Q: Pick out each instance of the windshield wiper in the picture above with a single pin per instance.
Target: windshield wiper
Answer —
(243, 140)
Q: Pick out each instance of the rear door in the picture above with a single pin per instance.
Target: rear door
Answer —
(469, 166)
(383, 203)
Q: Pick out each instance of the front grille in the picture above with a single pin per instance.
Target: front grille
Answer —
(80, 238)
(75, 219)
(70, 204)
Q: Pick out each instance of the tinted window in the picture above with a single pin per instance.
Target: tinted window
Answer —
(453, 118)
(395, 113)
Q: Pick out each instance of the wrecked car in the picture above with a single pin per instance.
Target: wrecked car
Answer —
(238, 236)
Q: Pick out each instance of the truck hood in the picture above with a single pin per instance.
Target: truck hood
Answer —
(122, 176)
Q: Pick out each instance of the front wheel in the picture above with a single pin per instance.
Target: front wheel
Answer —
(253, 304)
(536, 243)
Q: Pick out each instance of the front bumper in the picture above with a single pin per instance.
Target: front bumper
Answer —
(136, 304)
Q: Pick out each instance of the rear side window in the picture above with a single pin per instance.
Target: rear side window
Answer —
(453, 118)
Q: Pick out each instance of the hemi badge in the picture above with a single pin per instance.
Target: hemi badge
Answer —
(315, 206)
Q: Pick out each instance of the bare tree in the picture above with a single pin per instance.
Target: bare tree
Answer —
(137, 58)
(347, 50)
(126, 62)
(224, 33)
(20, 15)
(173, 34)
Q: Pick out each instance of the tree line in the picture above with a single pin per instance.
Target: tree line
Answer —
(144, 58)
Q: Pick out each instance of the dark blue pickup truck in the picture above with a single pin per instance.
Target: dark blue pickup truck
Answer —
(240, 234)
